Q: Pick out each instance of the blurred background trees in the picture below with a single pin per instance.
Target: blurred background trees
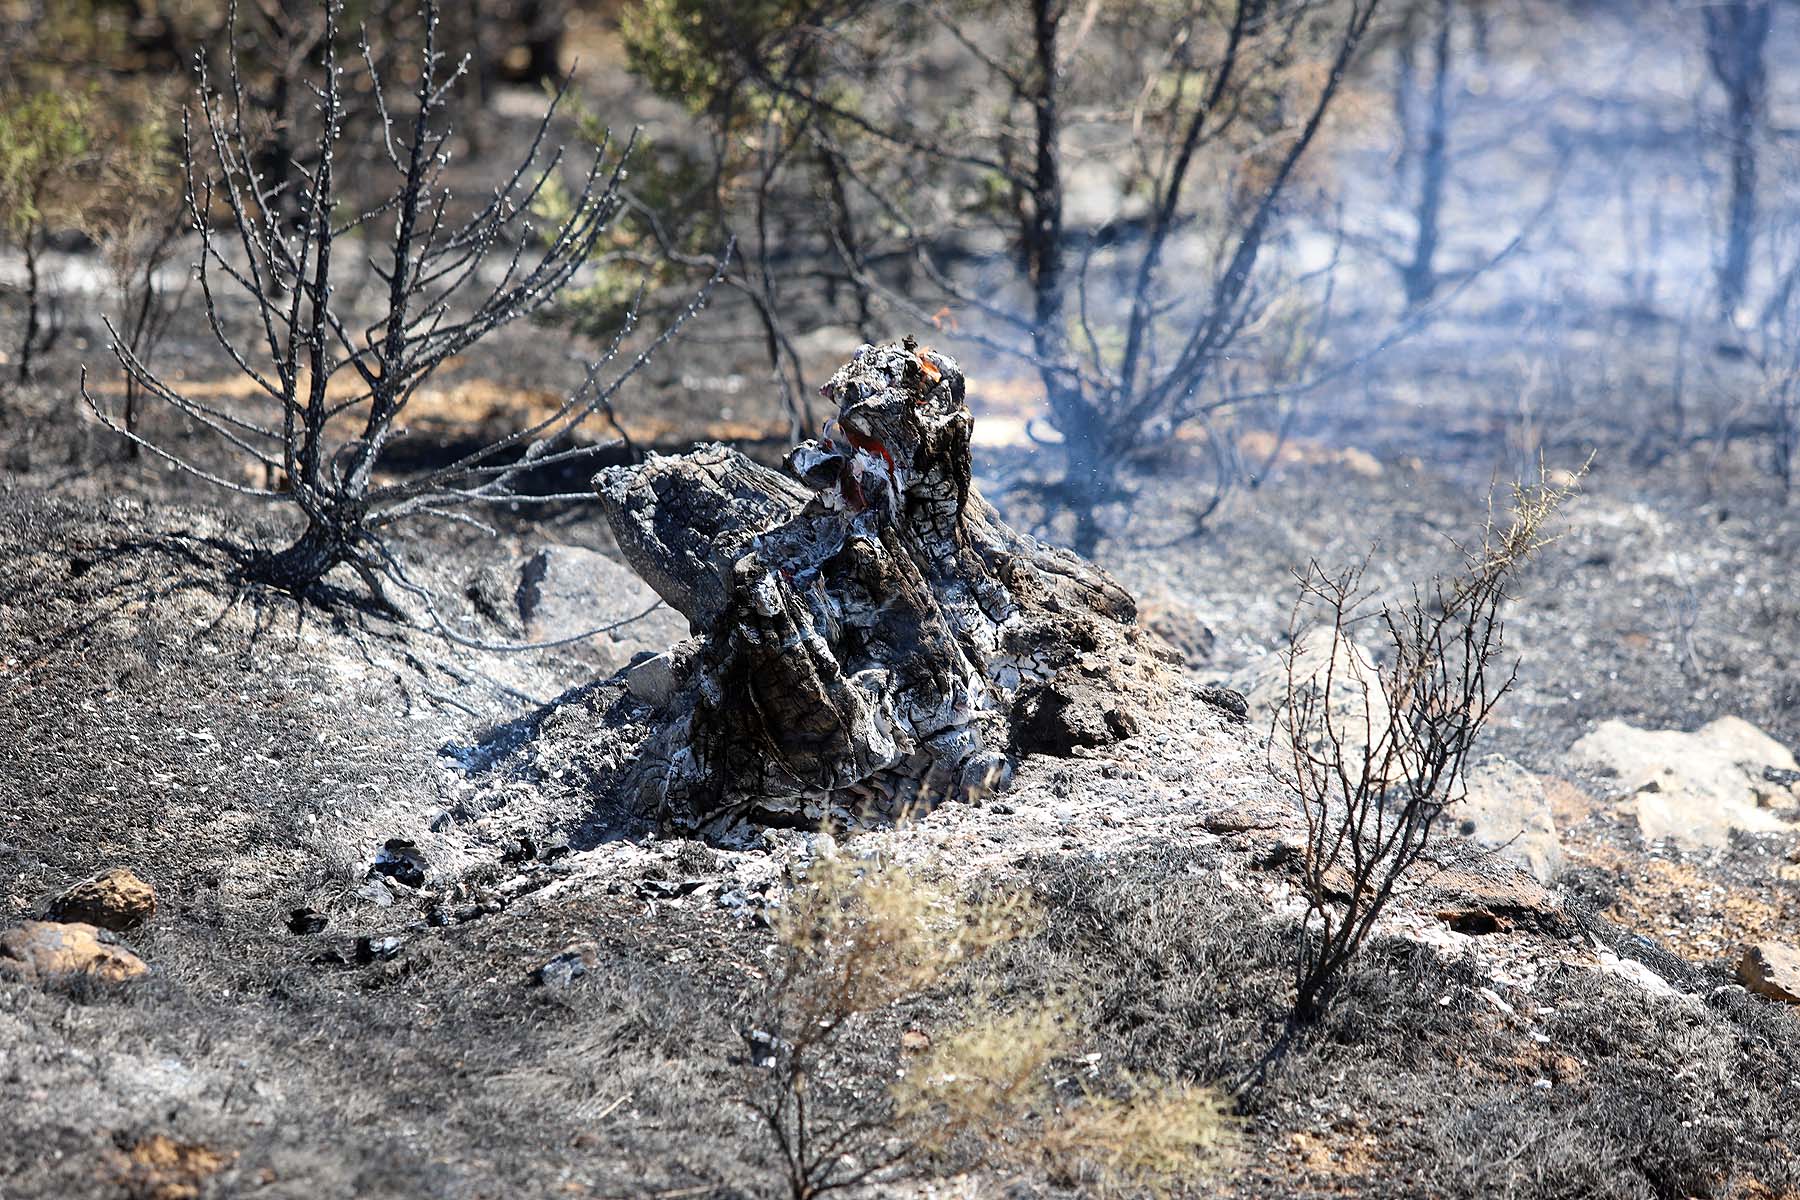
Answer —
(1161, 223)
(1090, 189)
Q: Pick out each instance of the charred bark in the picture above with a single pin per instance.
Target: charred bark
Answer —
(300, 566)
(873, 637)
(1420, 276)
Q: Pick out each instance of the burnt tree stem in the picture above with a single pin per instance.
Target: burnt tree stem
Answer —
(1737, 34)
(303, 563)
(873, 638)
(1420, 276)
(33, 290)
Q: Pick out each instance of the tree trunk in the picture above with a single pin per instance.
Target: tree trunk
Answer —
(874, 638)
(300, 567)
(1740, 225)
(1090, 473)
(1737, 34)
(1420, 276)
(32, 292)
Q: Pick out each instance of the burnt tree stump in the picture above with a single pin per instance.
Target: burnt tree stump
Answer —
(871, 637)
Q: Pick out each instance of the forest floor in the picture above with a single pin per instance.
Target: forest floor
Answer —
(309, 1030)
(250, 756)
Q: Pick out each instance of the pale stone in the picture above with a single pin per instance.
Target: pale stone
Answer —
(1695, 788)
(1771, 969)
(41, 950)
(1506, 807)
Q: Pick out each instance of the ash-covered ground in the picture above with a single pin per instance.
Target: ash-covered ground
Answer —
(310, 1026)
(329, 1015)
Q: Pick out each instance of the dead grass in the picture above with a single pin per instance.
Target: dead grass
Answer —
(1693, 911)
(157, 1167)
(859, 938)
(1644, 1098)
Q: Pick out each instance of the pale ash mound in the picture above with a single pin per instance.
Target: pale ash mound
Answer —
(871, 637)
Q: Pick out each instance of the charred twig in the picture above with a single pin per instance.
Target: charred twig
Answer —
(330, 393)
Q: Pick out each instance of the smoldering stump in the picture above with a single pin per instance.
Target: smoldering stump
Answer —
(870, 637)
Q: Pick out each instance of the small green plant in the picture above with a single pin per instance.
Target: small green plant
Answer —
(641, 255)
(857, 940)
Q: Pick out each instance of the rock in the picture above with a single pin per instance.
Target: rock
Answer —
(369, 950)
(1317, 656)
(1176, 624)
(493, 591)
(654, 678)
(375, 890)
(116, 899)
(565, 591)
(569, 964)
(1479, 902)
(1771, 969)
(1228, 701)
(400, 861)
(1062, 715)
(1506, 807)
(1695, 788)
(42, 950)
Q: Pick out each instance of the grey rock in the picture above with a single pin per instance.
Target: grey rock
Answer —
(654, 678)
(376, 892)
(1506, 808)
(374, 949)
(565, 591)
(567, 966)
(1695, 788)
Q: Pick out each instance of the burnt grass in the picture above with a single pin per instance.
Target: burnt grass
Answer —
(248, 754)
(1183, 978)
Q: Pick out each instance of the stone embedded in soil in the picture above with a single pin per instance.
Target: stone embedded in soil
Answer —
(1695, 788)
(1771, 969)
(1490, 901)
(36, 951)
(115, 899)
(873, 637)
(565, 591)
(1177, 625)
(1506, 807)
(567, 965)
